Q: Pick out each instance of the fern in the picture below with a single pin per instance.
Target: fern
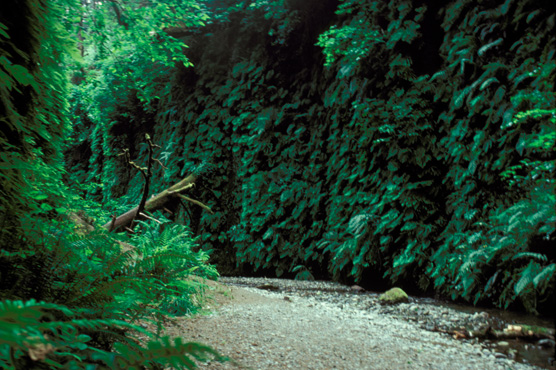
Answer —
(526, 277)
(26, 338)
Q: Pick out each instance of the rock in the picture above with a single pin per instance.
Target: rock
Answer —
(393, 296)
(357, 288)
(546, 343)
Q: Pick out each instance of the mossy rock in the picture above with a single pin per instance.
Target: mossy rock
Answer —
(393, 296)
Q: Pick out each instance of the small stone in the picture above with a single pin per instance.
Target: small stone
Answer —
(393, 296)
(546, 343)
(503, 344)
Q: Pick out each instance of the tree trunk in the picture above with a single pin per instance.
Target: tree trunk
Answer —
(155, 203)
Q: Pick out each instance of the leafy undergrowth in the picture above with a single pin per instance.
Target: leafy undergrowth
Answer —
(90, 292)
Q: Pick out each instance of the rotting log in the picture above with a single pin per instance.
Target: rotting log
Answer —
(155, 203)
(530, 332)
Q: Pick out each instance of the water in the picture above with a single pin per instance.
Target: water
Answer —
(529, 352)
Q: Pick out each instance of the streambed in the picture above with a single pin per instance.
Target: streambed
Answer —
(461, 322)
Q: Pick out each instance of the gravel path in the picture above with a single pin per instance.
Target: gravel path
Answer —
(300, 325)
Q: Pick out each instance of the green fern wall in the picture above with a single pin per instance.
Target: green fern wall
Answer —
(413, 145)
(32, 119)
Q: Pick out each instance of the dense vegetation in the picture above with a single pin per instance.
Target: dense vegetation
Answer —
(401, 142)
(72, 296)
(385, 143)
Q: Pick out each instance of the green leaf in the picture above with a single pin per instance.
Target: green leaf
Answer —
(527, 277)
(545, 275)
(46, 207)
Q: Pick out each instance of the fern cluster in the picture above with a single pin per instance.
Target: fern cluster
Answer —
(38, 335)
(99, 287)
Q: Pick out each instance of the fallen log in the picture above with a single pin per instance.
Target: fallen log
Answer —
(155, 203)
(528, 332)
(524, 331)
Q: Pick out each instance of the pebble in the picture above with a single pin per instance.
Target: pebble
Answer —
(354, 321)
(546, 343)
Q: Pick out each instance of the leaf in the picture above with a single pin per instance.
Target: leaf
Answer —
(21, 74)
(527, 277)
(46, 207)
(532, 15)
(545, 275)
(488, 82)
(3, 32)
(490, 45)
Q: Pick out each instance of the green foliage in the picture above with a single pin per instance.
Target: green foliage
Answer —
(398, 149)
(496, 260)
(35, 333)
(32, 119)
(104, 284)
(70, 299)
(128, 47)
(498, 200)
(168, 252)
(128, 51)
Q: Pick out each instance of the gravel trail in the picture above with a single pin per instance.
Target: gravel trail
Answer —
(304, 327)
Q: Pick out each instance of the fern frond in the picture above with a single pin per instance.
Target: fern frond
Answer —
(165, 352)
(103, 291)
(527, 277)
(530, 255)
(543, 278)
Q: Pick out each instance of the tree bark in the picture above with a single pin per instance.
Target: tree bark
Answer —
(157, 202)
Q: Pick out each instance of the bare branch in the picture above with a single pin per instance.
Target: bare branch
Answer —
(188, 186)
(196, 202)
(150, 218)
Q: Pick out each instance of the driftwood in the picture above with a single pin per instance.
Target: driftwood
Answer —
(157, 202)
(526, 332)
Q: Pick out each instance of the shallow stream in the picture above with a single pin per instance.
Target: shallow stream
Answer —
(537, 352)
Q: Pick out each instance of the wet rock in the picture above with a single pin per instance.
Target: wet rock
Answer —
(394, 296)
(546, 343)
